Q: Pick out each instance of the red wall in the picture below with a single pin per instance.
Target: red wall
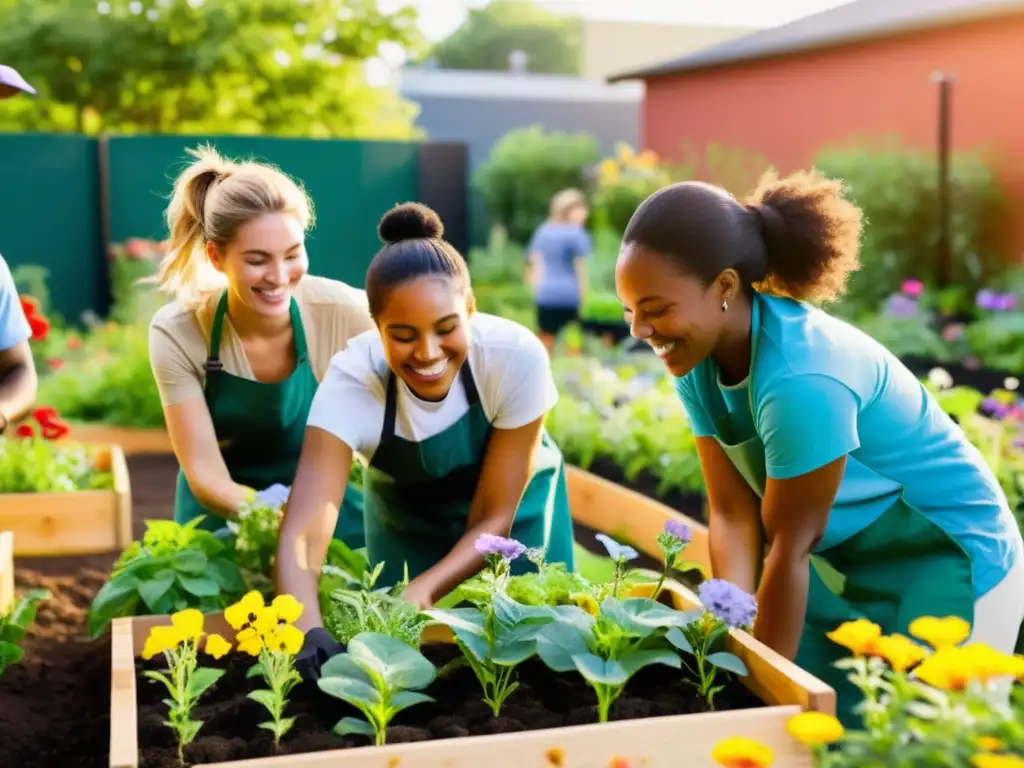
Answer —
(788, 108)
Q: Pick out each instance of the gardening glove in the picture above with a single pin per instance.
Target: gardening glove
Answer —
(274, 496)
(317, 647)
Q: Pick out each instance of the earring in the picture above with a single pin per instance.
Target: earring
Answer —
(725, 306)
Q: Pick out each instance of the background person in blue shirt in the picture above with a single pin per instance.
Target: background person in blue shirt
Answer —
(17, 369)
(558, 253)
(813, 438)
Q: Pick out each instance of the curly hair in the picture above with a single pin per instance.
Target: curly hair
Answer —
(797, 236)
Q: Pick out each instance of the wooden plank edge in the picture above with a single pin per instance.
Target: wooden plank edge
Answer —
(6, 570)
(654, 742)
(646, 515)
(123, 491)
(124, 731)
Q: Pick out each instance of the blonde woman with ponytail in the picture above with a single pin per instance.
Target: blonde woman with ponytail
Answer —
(238, 354)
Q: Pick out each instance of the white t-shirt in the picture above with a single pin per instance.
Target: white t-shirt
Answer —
(510, 367)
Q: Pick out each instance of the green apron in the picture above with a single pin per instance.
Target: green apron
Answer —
(418, 495)
(260, 427)
(898, 568)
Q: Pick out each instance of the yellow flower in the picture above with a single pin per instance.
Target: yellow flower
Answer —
(997, 761)
(585, 603)
(945, 669)
(990, 744)
(287, 608)
(608, 171)
(161, 639)
(250, 641)
(986, 663)
(217, 646)
(738, 752)
(189, 623)
(284, 638)
(624, 153)
(901, 652)
(242, 614)
(814, 728)
(859, 636)
(939, 633)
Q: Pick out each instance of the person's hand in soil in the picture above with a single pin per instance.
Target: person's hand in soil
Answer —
(317, 647)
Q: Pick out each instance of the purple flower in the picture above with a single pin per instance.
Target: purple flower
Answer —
(489, 544)
(997, 410)
(728, 603)
(900, 305)
(677, 529)
(620, 553)
(995, 302)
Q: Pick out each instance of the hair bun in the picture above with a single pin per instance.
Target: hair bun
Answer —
(410, 221)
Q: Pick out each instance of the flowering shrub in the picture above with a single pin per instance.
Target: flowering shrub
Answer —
(623, 182)
(34, 462)
(930, 700)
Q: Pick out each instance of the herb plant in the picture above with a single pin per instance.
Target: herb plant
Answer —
(184, 679)
(363, 607)
(175, 566)
(726, 606)
(499, 635)
(380, 676)
(13, 625)
(255, 535)
(268, 632)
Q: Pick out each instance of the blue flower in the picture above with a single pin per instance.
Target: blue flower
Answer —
(620, 553)
(728, 603)
(677, 529)
(489, 544)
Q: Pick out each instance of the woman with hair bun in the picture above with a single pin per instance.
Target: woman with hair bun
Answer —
(447, 406)
(238, 352)
(821, 452)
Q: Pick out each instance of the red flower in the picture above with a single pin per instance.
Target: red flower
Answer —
(29, 306)
(25, 430)
(45, 413)
(74, 343)
(49, 420)
(56, 363)
(40, 325)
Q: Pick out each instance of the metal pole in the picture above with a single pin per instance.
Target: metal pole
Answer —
(945, 255)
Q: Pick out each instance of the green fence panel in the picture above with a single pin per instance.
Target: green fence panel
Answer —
(351, 183)
(50, 217)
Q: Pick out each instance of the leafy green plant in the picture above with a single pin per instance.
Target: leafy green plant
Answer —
(362, 607)
(255, 535)
(498, 635)
(379, 675)
(38, 465)
(13, 624)
(175, 566)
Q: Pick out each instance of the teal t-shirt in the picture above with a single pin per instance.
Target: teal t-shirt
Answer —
(823, 389)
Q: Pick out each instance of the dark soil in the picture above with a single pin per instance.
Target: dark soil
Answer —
(543, 700)
(690, 504)
(55, 704)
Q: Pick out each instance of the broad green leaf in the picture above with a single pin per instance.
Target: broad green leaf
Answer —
(678, 639)
(355, 692)
(468, 619)
(202, 678)
(189, 561)
(574, 616)
(558, 643)
(475, 644)
(510, 654)
(354, 726)
(405, 699)
(10, 654)
(729, 662)
(114, 600)
(264, 697)
(400, 665)
(152, 590)
(634, 661)
(598, 670)
(200, 586)
(343, 665)
(226, 574)
(640, 615)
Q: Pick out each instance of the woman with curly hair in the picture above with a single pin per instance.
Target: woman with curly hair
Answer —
(821, 452)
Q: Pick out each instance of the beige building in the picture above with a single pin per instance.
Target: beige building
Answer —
(610, 47)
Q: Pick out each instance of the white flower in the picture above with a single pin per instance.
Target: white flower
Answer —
(940, 378)
(1011, 383)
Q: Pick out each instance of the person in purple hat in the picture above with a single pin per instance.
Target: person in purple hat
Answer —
(17, 369)
(11, 83)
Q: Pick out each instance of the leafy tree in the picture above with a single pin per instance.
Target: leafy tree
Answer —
(280, 67)
(489, 34)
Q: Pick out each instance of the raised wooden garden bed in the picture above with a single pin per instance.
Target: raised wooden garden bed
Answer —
(6, 571)
(629, 516)
(132, 440)
(72, 523)
(652, 742)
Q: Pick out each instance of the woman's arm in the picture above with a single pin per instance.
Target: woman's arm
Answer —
(309, 519)
(795, 514)
(736, 536)
(194, 442)
(503, 479)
